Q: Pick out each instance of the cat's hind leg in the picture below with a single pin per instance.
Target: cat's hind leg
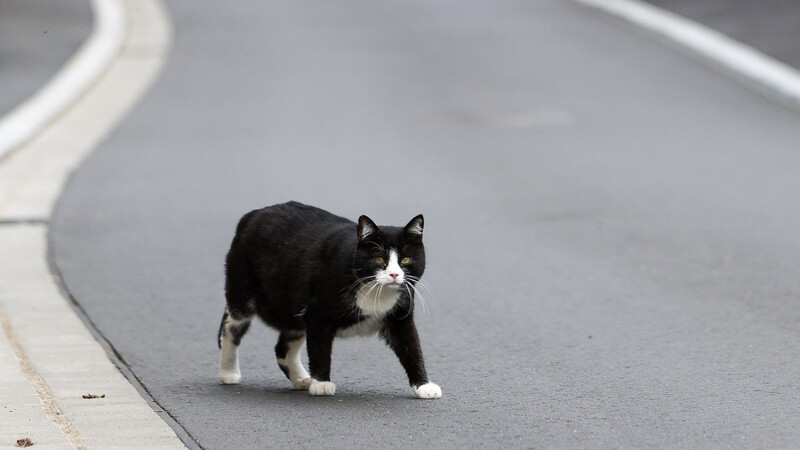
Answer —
(234, 325)
(287, 350)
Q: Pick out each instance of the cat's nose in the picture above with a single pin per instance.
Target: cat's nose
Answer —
(394, 275)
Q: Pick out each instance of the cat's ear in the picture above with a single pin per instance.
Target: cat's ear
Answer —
(414, 228)
(366, 228)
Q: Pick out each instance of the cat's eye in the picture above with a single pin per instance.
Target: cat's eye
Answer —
(405, 260)
(379, 259)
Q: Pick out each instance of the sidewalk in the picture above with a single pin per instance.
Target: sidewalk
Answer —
(58, 387)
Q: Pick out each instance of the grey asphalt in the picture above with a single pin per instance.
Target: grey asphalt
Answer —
(36, 39)
(772, 26)
(611, 227)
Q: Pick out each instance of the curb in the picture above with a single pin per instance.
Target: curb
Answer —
(64, 391)
(759, 71)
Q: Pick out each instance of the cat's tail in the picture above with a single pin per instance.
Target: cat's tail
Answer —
(222, 328)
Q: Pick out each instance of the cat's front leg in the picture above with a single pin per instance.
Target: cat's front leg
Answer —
(401, 335)
(319, 340)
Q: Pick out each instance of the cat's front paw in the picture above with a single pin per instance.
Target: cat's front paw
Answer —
(428, 390)
(229, 377)
(302, 385)
(321, 388)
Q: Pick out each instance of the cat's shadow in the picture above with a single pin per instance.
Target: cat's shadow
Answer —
(255, 394)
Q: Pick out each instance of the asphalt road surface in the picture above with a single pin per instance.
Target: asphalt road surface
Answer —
(612, 228)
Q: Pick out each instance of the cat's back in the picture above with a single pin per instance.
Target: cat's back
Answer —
(288, 224)
(291, 214)
(289, 245)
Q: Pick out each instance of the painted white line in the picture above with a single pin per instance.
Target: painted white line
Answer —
(81, 71)
(766, 74)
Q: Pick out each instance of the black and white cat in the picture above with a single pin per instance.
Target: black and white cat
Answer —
(314, 276)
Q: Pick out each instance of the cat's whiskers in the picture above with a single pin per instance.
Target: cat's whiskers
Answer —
(376, 302)
(419, 283)
(408, 287)
(371, 300)
(422, 301)
(370, 286)
(360, 281)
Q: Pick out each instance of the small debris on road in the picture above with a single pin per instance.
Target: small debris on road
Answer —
(24, 442)
(87, 396)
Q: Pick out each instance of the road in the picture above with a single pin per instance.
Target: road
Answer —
(36, 39)
(611, 227)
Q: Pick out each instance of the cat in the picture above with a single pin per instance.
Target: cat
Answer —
(314, 276)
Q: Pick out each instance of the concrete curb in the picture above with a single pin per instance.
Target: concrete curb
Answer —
(50, 359)
(759, 71)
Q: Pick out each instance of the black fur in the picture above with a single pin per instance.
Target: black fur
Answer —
(298, 268)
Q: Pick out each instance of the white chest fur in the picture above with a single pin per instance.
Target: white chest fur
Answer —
(366, 327)
(375, 300)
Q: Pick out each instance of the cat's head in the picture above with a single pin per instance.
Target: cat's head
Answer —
(394, 256)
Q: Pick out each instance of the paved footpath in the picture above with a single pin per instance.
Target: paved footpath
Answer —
(58, 387)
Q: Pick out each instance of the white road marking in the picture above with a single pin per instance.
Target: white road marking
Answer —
(83, 69)
(766, 74)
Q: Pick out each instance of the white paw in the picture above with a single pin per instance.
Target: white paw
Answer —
(321, 388)
(302, 385)
(428, 390)
(229, 377)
